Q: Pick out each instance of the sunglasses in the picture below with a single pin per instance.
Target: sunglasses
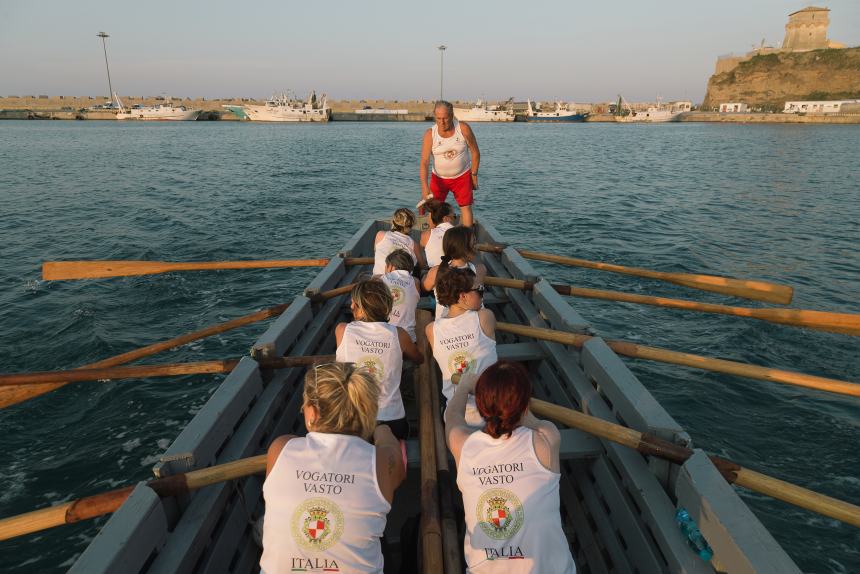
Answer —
(479, 289)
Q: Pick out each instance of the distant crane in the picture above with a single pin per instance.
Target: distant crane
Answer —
(102, 35)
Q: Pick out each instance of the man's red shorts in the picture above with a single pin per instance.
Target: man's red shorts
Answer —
(460, 186)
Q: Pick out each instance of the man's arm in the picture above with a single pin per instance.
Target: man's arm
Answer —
(473, 149)
(424, 168)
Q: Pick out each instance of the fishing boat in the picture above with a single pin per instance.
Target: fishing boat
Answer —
(283, 108)
(562, 113)
(657, 113)
(618, 506)
(160, 112)
(481, 112)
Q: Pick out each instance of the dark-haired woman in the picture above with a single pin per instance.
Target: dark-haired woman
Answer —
(458, 245)
(371, 342)
(509, 476)
(464, 341)
(442, 218)
(327, 494)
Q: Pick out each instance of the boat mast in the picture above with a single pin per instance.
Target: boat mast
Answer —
(102, 35)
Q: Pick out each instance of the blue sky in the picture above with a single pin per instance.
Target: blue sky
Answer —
(582, 51)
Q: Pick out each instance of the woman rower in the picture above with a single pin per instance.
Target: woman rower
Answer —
(397, 238)
(509, 475)
(404, 290)
(370, 341)
(459, 247)
(442, 218)
(464, 341)
(327, 494)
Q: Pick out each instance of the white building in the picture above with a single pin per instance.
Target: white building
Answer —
(827, 107)
(734, 107)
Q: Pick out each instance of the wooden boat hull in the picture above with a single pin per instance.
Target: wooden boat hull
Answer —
(617, 506)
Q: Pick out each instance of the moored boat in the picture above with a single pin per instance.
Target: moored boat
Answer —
(164, 111)
(617, 506)
(562, 113)
(283, 108)
(653, 114)
(481, 112)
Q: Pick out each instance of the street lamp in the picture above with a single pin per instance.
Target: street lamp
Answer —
(442, 49)
(102, 35)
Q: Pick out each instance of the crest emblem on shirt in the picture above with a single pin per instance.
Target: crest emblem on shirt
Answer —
(450, 154)
(396, 294)
(460, 362)
(317, 524)
(372, 364)
(500, 513)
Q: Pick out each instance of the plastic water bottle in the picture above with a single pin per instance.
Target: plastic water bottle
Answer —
(694, 537)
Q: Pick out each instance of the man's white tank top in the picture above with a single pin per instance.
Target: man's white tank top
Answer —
(451, 156)
(512, 507)
(390, 241)
(404, 291)
(433, 250)
(375, 345)
(442, 310)
(460, 346)
(324, 509)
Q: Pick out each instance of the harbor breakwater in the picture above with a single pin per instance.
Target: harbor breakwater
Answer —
(75, 108)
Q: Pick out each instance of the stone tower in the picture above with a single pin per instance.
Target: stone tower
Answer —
(807, 30)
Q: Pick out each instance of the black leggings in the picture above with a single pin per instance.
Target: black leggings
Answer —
(399, 427)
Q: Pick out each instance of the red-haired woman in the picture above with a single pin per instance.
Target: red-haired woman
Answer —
(509, 476)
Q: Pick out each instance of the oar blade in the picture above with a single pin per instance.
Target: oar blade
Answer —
(68, 270)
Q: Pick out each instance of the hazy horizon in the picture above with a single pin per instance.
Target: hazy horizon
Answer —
(544, 50)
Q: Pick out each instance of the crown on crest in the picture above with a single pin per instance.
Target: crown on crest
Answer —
(497, 503)
(318, 513)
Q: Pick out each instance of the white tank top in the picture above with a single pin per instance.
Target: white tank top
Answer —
(433, 250)
(404, 291)
(390, 241)
(442, 310)
(451, 156)
(511, 506)
(375, 345)
(460, 346)
(324, 509)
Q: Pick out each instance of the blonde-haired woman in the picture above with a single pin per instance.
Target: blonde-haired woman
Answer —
(398, 238)
(328, 494)
(370, 341)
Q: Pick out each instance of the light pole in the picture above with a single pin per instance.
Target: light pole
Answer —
(442, 49)
(102, 35)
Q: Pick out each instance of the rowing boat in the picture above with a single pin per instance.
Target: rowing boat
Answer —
(617, 506)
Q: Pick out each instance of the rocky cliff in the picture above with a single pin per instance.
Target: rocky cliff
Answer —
(768, 81)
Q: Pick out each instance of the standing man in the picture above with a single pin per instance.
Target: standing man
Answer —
(455, 160)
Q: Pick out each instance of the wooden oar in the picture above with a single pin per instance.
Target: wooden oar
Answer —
(845, 323)
(108, 502)
(65, 270)
(689, 360)
(756, 290)
(11, 395)
(147, 371)
(734, 473)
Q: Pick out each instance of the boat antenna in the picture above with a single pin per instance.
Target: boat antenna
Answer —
(102, 35)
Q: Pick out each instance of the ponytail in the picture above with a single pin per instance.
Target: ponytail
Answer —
(403, 220)
(346, 398)
(502, 396)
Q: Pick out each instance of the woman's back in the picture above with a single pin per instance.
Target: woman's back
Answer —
(324, 507)
(390, 241)
(511, 506)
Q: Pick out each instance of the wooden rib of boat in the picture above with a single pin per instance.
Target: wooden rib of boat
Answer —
(617, 506)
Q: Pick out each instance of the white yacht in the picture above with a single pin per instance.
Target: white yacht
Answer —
(654, 114)
(481, 112)
(282, 108)
(165, 111)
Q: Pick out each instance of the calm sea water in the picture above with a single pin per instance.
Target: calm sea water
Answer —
(774, 202)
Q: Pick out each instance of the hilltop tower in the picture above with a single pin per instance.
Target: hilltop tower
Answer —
(807, 30)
